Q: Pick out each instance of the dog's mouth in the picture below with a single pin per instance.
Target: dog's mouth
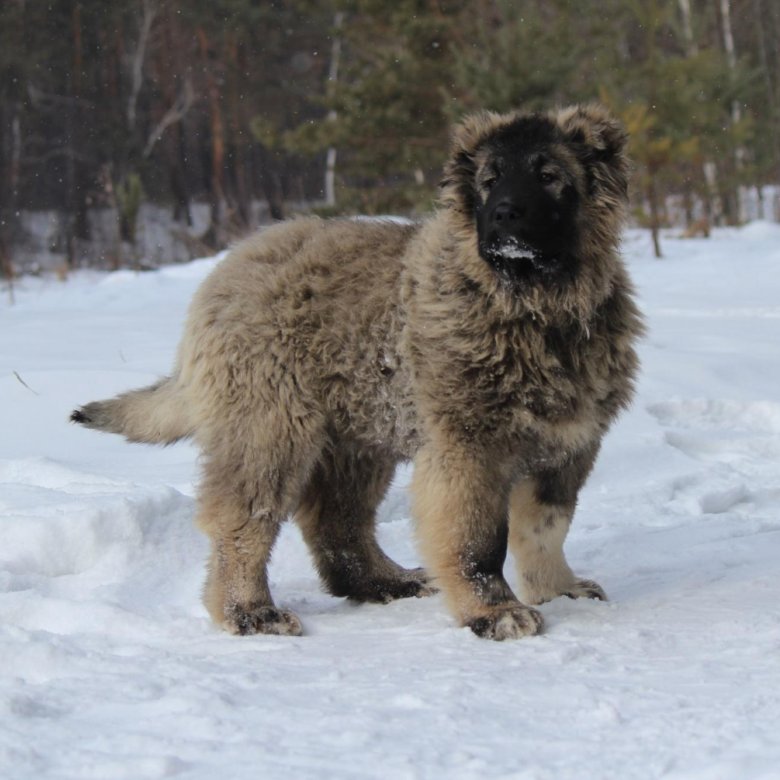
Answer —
(510, 252)
(512, 248)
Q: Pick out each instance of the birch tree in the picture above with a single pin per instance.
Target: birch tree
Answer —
(736, 110)
(333, 77)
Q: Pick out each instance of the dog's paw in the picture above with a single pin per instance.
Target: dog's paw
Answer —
(262, 620)
(508, 621)
(585, 589)
(532, 591)
(410, 583)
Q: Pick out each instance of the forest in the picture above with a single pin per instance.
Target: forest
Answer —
(144, 131)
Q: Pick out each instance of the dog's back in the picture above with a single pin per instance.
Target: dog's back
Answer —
(300, 315)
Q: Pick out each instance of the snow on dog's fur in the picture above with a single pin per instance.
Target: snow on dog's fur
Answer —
(493, 344)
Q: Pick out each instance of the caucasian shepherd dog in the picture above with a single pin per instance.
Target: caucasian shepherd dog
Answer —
(493, 344)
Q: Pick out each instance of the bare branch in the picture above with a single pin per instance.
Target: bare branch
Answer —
(150, 10)
(48, 101)
(175, 113)
(25, 383)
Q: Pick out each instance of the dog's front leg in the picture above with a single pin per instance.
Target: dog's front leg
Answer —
(460, 505)
(540, 512)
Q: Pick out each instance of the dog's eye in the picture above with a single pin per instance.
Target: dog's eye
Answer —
(490, 182)
(547, 178)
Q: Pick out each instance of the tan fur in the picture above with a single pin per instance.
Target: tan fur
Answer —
(536, 536)
(319, 354)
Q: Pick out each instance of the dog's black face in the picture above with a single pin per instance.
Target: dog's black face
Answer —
(526, 203)
(546, 194)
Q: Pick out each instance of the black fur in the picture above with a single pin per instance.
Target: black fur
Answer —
(77, 416)
(527, 224)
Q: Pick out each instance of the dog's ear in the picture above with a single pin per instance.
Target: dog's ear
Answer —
(457, 184)
(592, 126)
(466, 139)
(600, 141)
(469, 133)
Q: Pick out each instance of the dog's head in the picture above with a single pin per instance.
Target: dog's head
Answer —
(539, 188)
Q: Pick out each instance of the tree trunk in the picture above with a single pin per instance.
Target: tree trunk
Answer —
(699, 179)
(149, 12)
(10, 172)
(272, 185)
(8, 187)
(214, 235)
(177, 155)
(770, 87)
(78, 184)
(333, 76)
(691, 49)
(655, 215)
(174, 144)
(733, 205)
(238, 139)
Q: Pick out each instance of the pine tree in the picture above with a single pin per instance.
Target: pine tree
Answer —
(387, 113)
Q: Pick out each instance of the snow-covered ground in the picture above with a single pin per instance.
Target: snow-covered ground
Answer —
(110, 668)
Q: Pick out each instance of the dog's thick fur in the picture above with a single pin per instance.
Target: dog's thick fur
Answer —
(492, 344)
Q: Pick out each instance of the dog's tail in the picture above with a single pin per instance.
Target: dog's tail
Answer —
(154, 415)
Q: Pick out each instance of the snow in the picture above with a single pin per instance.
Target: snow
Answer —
(111, 668)
(512, 249)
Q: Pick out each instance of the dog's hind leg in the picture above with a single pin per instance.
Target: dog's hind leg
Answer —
(540, 513)
(338, 517)
(250, 485)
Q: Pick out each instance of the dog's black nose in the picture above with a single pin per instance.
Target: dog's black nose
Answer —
(506, 213)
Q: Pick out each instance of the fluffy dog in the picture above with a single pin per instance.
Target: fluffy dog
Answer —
(493, 344)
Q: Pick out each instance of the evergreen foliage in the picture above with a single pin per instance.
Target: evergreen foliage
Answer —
(229, 101)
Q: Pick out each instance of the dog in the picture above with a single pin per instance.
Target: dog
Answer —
(493, 344)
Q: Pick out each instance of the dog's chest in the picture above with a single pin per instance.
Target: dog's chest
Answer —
(526, 383)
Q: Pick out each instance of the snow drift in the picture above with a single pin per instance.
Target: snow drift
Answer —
(111, 668)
